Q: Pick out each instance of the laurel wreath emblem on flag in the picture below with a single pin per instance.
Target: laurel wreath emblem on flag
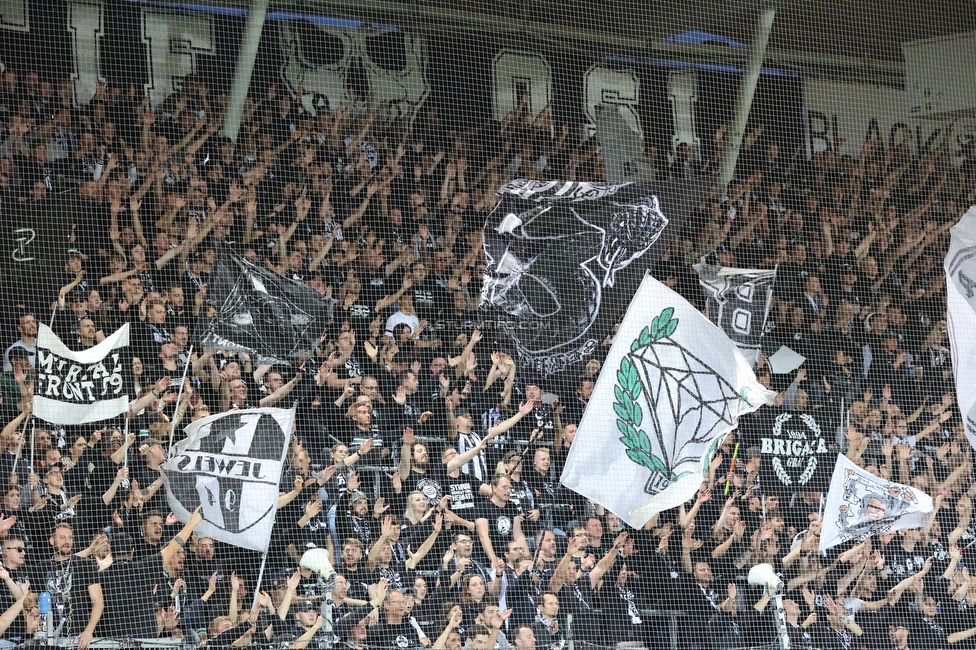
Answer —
(629, 412)
(811, 467)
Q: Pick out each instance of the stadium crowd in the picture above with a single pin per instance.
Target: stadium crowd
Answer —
(425, 461)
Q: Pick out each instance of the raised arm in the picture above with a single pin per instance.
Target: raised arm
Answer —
(178, 542)
(415, 558)
(607, 561)
(524, 409)
(281, 393)
(559, 573)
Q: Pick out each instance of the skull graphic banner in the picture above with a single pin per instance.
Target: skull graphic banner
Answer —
(565, 259)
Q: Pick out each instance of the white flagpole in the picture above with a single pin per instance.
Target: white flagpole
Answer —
(179, 396)
(20, 445)
(33, 431)
(257, 588)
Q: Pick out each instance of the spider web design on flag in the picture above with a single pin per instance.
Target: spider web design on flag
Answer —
(689, 403)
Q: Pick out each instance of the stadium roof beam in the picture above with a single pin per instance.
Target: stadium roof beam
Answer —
(437, 20)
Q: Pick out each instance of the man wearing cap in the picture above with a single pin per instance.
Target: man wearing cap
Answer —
(539, 418)
(353, 519)
(308, 625)
(58, 504)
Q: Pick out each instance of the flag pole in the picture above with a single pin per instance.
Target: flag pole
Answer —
(735, 454)
(179, 396)
(33, 432)
(20, 445)
(257, 587)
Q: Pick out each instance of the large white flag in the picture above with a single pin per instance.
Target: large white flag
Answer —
(231, 465)
(80, 387)
(672, 386)
(860, 503)
(960, 267)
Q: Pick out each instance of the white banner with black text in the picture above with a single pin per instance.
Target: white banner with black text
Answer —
(80, 387)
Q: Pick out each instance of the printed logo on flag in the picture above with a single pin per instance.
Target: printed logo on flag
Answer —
(564, 257)
(682, 394)
(228, 467)
(871, 507)
(795, 450)
(673, 387)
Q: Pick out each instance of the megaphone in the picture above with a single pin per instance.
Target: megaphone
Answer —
(317, 561)
(763, 574)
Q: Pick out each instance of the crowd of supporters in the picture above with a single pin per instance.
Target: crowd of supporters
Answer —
(425, 461)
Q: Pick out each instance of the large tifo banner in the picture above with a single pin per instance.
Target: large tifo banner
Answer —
(273, 318)
(737, 300)
(230, 464)
(565, 258)
(80, 387)
(673, 385)
(860, 504)
(960, 268)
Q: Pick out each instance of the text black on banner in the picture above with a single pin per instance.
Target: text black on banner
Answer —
(230, 464)
(80, 387)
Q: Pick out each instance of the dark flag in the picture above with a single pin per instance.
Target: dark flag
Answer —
(565, 259)
(796, 455)
(262, 313)
(738, 302)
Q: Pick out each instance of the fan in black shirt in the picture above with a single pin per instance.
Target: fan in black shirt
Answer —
(498, 520)
(394, 629)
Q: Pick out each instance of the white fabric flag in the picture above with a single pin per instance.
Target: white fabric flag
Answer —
(672, 386)
(80, 387)
(231, 465)
(860, 504)
(960, 267)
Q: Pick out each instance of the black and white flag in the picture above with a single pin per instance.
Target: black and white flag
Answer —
(273, 318)
(860, 504)
(231, 464)
(795, 454)
(738, 300)
(565, 258)
(80, 387)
